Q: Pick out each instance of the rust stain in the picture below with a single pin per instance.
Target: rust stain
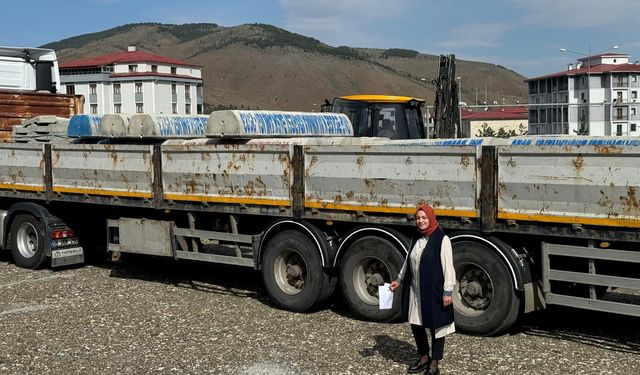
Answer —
(604, 201)
(608, 149)
(350, 194)
(114, 157)
(312, 163)
(360, 161)
(191, 186)
(255, 188)
(578, 163)
(464, 161)
(630, 200)
(337, 199)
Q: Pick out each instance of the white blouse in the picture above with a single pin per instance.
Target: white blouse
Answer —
(449, 273)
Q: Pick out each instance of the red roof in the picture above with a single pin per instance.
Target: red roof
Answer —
(147, 74)
(123, 58)
(596, 69)
(507, 113)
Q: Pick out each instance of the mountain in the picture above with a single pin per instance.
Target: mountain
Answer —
(266, 67)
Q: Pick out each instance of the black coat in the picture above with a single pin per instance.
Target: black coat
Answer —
(434, 314)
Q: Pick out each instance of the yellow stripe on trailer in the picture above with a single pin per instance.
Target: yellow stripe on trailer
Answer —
(38, 188)
(386, 209)
(115, 193)
(219, 199)
(607, 222)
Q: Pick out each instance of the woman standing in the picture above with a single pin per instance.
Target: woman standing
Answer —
(427, 280)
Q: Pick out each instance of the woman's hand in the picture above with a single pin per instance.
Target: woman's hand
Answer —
(394, 285)
(447, 301)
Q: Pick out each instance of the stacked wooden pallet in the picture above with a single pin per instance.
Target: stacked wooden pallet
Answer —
(42, 129)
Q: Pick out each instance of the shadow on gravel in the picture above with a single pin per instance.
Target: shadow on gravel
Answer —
(390, 348)
(606, 331)
(208, 278)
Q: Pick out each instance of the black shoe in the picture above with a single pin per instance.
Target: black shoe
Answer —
(432, 371)
(418, 366)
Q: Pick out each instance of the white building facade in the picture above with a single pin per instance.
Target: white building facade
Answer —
(599, 97)
(134, 82)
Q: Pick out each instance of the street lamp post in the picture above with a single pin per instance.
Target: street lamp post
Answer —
(588, 56)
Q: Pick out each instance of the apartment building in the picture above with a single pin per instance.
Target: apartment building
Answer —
(597, 96)
(134, 82)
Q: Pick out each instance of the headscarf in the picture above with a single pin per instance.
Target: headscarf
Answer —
(431, 215)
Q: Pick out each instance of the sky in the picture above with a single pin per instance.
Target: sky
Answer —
(522, 35)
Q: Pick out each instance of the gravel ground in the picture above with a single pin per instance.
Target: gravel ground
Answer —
(147, 315)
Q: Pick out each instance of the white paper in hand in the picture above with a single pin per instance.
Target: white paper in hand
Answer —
(385, 296)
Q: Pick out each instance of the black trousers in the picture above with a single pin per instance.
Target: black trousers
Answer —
(422, 343)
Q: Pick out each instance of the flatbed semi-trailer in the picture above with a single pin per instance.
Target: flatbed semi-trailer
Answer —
(529, 224)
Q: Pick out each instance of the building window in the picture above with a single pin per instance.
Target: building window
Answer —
(154, 68)
(632, 127)
(117, 108)
(633, 111)
(93, 108)
(187, 108)
(138, 87)
(116, 88)
(634, 95)
(634, 78)
(619, 96)
(133, 68)
(174, 70)
(173, 88)
(187, 91)
(139, 108)
(619, 115)
(582, 97)
(92, 88)
(71, 89)
(174, 108)
(619, 129)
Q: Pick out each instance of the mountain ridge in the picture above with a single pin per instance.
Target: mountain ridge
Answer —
(267, 67)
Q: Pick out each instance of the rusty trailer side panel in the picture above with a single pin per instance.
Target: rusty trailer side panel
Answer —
(590, 185)
(112, 170)
(240, 174)
(574, 185)
(392, 179)
(22, 167)
(17, 106)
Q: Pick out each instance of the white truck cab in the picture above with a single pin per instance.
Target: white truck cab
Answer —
(29, 69)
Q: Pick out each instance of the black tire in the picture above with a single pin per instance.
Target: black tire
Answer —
(369, 262)
(292, 272)
(485, 302)
(27, 242)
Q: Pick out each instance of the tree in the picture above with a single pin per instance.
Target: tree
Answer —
(487, 131)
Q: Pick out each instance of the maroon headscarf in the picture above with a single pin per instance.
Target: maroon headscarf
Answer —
(431, 215)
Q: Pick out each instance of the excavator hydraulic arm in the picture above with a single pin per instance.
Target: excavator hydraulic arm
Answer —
(446, 115)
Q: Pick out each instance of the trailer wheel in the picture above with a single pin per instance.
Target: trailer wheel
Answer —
(485, 302)
(27, 241)
(368, 263)
(292, 271)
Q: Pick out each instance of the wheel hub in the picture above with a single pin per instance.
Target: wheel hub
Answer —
(295, 276)
(476, 289)
(27, 240)
(367, 276)
(290, 272)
